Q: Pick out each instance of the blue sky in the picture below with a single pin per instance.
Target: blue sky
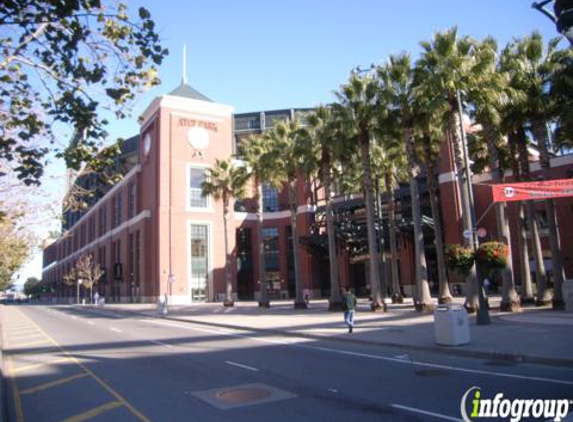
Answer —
(264, 55)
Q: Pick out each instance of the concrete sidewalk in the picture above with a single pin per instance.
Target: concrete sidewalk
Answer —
(536, 335)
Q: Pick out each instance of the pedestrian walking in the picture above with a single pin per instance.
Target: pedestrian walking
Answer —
(349, 306)
(96, 298)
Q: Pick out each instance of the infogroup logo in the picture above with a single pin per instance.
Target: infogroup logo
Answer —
(514, 410)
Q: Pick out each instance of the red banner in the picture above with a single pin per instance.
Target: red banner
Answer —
(528, 191)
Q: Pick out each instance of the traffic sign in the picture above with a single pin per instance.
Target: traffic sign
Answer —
(467, 234)
(482, 232)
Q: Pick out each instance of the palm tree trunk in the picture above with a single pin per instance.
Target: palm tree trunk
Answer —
(541, 277)
(540, 133)
(264, 299)
(444, 295)
(335, 301)
(228, 278)
(509, 298)
(299, 302)
(423, 301)
(522, 237)
(375, 290)
(395, 282)
(472, 303)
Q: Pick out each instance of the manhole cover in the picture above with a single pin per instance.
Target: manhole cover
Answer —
(430, 373)
(243, 395)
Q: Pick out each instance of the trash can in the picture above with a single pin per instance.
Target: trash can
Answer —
(451, 325)
(162, 307)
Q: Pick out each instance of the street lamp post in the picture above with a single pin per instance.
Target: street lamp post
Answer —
(470, 217)
(80, 281)
(562, 18)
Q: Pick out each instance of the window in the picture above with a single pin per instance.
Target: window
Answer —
(137, 257)
(196, 178)
(131, 260)
(271, 242)
(117, 210)
(91, 229)
(102, 220)
(131, 201)
(270, 198)
(199, 262)
(101, 261)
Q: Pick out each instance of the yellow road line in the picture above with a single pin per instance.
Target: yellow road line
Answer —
(51, 384)
(110, 390)
(39, 365)
(94, 412)
(15, 392)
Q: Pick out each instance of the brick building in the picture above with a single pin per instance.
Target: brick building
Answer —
(154, 234)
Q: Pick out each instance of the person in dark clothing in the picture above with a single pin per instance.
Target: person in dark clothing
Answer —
(349, 306)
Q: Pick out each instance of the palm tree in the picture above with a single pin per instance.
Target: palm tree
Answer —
(252, 152)
(535, 66)
(357, 107)
(513, 141)
(447, 67)
(561, 92)
(489, 97)
(225, 181)
(323, 135)
(397, 90)
(391, 167)
(429, 139)
(285, 152)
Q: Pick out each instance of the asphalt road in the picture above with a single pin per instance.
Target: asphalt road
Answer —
(66, 364)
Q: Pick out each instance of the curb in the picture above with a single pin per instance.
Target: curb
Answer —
(474, 354)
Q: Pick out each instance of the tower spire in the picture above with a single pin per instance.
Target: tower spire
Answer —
(184, 75)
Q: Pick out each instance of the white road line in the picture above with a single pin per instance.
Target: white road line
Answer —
(250, 368)
(115, 329)
(161, 343)
(91, 323)
(370, 356)
(425, 412)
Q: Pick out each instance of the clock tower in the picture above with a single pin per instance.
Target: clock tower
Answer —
(183, 133)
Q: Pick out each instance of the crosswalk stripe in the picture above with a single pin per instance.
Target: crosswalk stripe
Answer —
(53, 384)
(94, 412)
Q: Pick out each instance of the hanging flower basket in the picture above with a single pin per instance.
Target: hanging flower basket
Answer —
(459, 259)
(492, 256)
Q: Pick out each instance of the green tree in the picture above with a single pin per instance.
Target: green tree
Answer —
(61, 63)
(389, 167)
(489, 97)
(89, 272)
(448, 66)
(15, 248)
(286, 155)
(324, 145)
(397, 88)
(534, 66)
(32, 287)
(226, 181)
(252, 151)
(429, 139)
(357, 107)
